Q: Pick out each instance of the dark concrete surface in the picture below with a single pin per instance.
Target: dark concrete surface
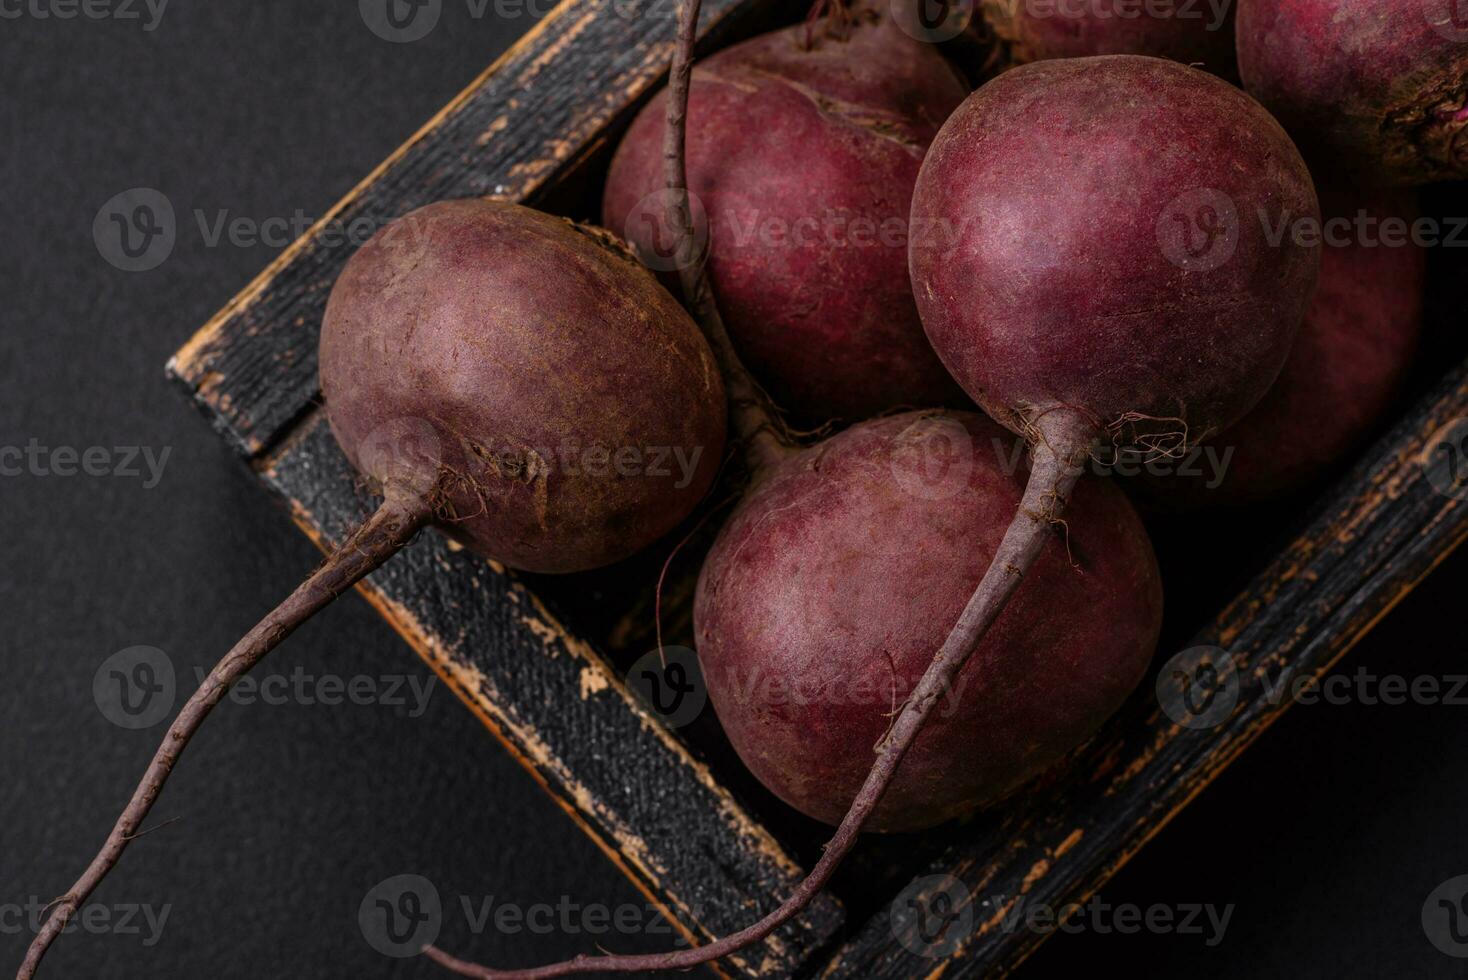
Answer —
(1327, 838)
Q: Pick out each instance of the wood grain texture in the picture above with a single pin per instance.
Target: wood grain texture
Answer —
(653, 808)
(519, 127)
(1378, 535)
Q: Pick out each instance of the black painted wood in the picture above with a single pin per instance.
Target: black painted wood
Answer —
(1380, 532)
(558, 707)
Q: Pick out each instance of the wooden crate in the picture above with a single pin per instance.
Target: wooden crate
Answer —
(541, 661)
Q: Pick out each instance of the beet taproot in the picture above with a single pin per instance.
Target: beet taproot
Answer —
(476, 357)
(829, 589)
(1374, 90)
(803, 160)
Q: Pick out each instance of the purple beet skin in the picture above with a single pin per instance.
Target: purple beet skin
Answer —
(1200, 33)
(473, 357)
(804, 160)
(1120, 248)
(837, 578)
(562, 408)
(1374, 89)
(1354, 350)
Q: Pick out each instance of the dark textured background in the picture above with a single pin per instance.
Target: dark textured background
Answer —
(1327, 837)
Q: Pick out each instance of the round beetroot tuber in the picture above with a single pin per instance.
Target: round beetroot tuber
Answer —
(1196, 33)
(478, 359)
(1112, 266)
(840, 574)
(803, 158)
(548, 364)
(1353, 352)
(1373, 89)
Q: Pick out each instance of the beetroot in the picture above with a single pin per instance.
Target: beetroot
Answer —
(827, 592)
(804, 161)
(1374, 89)
(1353, 352)
(1200, 33)
(478, 359)
(1113, 269)
(578, 411)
